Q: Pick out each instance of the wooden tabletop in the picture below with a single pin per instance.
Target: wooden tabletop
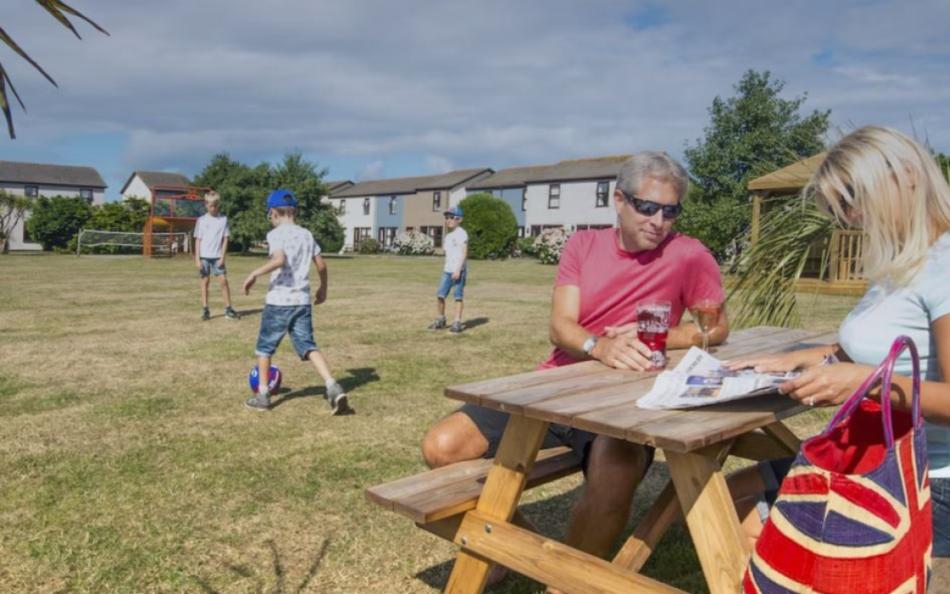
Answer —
(596, 398)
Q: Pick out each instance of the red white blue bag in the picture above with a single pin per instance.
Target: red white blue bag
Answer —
(853, 514)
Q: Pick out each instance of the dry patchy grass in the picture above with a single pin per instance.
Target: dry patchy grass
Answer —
(130, 465)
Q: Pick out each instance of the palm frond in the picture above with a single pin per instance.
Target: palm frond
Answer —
(58, 8)
(764, 290)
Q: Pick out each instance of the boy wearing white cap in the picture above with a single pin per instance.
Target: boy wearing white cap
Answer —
(454, 271)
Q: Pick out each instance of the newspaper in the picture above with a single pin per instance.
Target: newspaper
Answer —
(700, 380)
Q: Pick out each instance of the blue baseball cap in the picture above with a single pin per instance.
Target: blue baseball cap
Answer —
(454, 212)
(280, 198)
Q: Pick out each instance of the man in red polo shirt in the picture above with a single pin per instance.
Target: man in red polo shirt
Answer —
(602, 276)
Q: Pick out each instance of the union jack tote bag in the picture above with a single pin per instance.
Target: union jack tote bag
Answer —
(853, 514)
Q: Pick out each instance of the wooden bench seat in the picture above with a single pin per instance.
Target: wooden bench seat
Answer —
(454, 489)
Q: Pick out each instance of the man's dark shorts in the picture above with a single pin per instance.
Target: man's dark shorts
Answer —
(491, 424)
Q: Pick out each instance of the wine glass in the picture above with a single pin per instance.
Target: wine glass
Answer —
(706, 315)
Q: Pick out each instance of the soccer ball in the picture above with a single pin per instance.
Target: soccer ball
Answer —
(254, 379)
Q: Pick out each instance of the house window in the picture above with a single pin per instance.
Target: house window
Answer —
(31, 191)
(392, 205)
(554, 196)
(520, 231)
(435, 232)
(359, 234)
(342, 209)
(436, 201)
(386, 235)
(524, 199)
(365, 206)
(86, 194)
(603, 190)
(409, 229)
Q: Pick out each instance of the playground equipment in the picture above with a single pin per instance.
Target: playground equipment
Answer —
(173, 210)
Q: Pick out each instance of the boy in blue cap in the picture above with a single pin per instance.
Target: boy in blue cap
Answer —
(287, 307)
(454, 271)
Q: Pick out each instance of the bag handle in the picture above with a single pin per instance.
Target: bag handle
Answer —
(885, 372)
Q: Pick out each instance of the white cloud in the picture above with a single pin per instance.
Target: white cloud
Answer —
(458, 84)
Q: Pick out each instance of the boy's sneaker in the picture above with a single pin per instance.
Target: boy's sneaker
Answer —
(339, 405)
(230, 314)
(456, 327)
(258, 402)
(438, 324)
(205, 314)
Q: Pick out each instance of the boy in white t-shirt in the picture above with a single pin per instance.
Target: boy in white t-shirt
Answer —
(211, 246)
(287, 307)
(454, 272)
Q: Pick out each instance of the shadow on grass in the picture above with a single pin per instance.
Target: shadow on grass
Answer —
(355, 378)
(673, 562)
(250, 312)
(280, 573)
(474, 323)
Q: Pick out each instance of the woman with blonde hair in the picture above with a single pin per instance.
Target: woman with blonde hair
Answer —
(886, 183)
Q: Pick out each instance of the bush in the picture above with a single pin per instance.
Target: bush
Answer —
(128, 215)
(549, 245)
(54, 221)
(524, 246)
(492, 227)
(326, 228)
(368, 246)
(413, 243)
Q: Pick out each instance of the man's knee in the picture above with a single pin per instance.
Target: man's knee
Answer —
(615, 470)
(453, 439)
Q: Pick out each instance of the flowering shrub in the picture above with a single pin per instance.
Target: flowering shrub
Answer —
(413, 243)
(549, 244)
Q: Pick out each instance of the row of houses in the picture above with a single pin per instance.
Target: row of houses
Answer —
(574, 194)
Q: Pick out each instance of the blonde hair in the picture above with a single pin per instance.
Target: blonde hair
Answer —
(889, 184)
(212, 197)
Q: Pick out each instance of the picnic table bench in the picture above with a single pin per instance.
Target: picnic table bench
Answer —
(474, 503)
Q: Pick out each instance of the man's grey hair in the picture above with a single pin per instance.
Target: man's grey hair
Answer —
(655, 164)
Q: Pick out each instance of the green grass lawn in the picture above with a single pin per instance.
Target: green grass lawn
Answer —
(129, 463)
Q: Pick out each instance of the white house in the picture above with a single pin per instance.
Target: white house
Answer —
(574, 194)
(34, 180)
(140, 183)
(382, 209)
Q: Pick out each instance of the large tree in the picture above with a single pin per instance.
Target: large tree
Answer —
(12, 210)
(59, 10)
(749, 134)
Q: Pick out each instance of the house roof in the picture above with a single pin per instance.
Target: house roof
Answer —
(788, 179)
(410, 185)
(335, 185)
(49, 174)
(157, 178)
(569, 170)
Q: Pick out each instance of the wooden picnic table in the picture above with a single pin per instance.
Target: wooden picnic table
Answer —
(695, 443)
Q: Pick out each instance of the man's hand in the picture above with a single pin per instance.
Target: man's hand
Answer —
(623, 352)
(622, 330)
(321, 295)
(456, 275)
(220, 262)
(826, 385)
(198, 264)
(248, 283)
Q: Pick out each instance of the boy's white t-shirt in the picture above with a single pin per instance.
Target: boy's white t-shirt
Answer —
(454, 244)
(882, 315)
(211, 231)
(290, 284)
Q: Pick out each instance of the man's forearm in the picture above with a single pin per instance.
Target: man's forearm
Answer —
(689, 334)
(569, 336)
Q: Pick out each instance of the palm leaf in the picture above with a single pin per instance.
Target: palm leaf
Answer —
(59, 10)
(764, 290)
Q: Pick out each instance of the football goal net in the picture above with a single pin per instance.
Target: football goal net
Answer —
(92, 241)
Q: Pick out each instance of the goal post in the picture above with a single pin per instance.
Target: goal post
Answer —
(130, 242)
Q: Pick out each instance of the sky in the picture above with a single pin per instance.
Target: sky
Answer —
(376, 89)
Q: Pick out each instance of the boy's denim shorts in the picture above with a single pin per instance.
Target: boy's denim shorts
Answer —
(940, 502)
(209, 266)
(446, 285)
(278, 320)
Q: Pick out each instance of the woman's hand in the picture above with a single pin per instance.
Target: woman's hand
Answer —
(826, 385)
(777, 362)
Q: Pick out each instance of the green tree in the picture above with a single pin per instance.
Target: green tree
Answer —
(59, 10)
(12, 210)
(54, 221)
(306, 182)
(127, 215)
(752, 133)
(491, 226)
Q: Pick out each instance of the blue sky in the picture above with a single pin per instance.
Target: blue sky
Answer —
(373, 88)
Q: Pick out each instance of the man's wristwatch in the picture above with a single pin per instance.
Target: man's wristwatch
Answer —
(589, 344)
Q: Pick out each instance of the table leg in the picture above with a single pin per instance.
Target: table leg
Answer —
(722, 547)
(499, 499)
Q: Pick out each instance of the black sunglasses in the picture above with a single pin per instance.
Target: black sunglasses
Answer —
(649, 208)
